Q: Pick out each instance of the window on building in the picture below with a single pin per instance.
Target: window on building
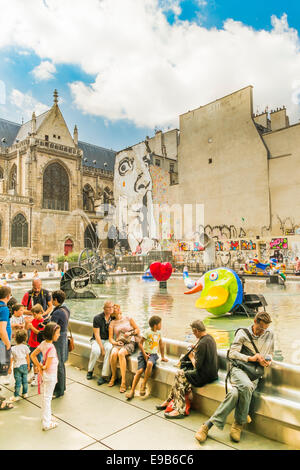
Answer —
(12, 183)
(56, 188)
(58, 136)
(54, 135)
(46, 138)
(171, 167)
(157, 162)
(1, 173)
(88, 198)
(19, 231)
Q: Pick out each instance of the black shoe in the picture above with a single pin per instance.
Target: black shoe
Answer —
(168, 416)
(89, 375)
(101, 381)
(161, 407)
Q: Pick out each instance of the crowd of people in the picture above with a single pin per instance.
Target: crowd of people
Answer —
(34, 347)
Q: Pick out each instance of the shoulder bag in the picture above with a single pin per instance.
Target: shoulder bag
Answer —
(253, 369)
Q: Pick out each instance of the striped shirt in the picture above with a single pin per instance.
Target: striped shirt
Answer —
(264, 344)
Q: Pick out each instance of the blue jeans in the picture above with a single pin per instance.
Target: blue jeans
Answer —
(238, 398)
(21, 374)
(61, 346)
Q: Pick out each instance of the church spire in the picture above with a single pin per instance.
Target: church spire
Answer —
(55, 96)
(75, 135)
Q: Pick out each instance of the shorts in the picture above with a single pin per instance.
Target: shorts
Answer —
(142, 364)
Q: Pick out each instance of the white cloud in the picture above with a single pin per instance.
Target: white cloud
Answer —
(148, 71)
(44, 71)
(26, 104)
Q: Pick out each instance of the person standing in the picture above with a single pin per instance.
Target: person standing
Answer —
(61, 315)
(48, 371)
(66, 266)
(5, 336)
(239, 397)
(101, 344)
(37, 295)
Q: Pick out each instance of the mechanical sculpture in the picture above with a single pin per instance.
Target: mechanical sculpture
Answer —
(93, 269)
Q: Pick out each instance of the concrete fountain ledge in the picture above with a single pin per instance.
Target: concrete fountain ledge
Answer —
(276, 404)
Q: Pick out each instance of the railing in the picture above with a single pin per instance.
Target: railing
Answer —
(58, 147)
(15, 199)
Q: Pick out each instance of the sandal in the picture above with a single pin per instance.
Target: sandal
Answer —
(7, 406)
(129, 395)
(111, 383)
(123, 388)
(142, 391)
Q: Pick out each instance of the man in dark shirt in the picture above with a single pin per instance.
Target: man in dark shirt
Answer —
(61, 315)
(37, 295)
(100, 343)
(203, 370)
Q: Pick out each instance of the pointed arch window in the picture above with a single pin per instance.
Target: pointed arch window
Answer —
(1, 173)
(56, 188)
(12, 184)
(19, 231)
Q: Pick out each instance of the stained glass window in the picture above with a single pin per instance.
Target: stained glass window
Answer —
(56, 188)
(19, 231)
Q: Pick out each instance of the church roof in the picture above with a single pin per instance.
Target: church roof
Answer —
(25, 129)
(93, 155)
(9, 131)
(97, 157)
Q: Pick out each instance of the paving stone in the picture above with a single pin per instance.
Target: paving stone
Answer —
(92, 412)
(21, 429)
(158, 434)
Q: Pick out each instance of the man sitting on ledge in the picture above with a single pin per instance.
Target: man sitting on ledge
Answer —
(239, 397)
(100, 343)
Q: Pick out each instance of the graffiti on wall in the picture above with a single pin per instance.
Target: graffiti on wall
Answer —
(278, 243)
(133, 197)
(248, 245)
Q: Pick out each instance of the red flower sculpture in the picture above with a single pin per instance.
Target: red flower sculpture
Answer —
(161, 271)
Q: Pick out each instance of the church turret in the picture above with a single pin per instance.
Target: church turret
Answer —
(75, 135)
(33, 124)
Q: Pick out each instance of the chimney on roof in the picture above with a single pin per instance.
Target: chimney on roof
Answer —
(75, 135)
(33, 124)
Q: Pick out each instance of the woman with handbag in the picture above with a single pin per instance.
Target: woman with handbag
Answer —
(252, 347)
(61, 315)
(198, 367)
(123, 332)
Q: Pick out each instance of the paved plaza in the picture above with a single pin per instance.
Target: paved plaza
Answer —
(99, 418)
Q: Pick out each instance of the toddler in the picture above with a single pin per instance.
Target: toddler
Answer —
(149, 345)
(35, 327)
(47, 371)
(20, 360)
(17, 321)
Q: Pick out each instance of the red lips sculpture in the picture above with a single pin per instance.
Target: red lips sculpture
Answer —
(161, 271)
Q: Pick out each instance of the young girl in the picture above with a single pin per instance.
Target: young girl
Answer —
(48, 371)
(21, 362)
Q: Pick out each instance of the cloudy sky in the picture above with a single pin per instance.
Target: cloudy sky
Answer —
(126, 67)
